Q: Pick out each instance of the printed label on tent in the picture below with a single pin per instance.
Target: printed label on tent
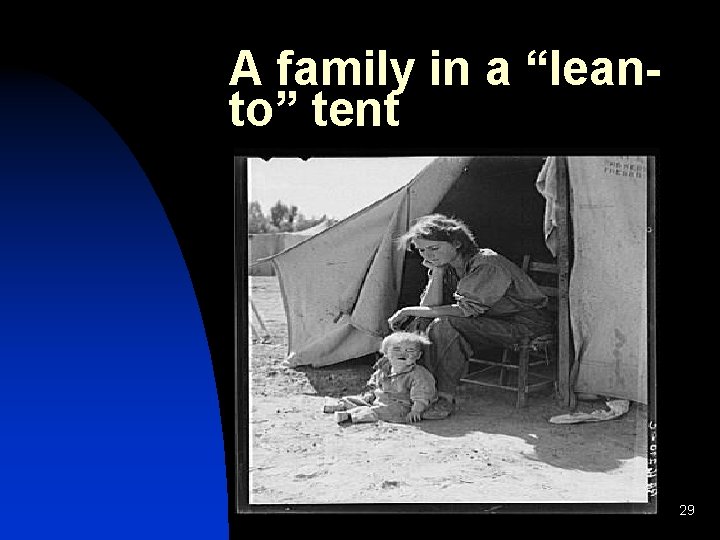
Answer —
(632, 167)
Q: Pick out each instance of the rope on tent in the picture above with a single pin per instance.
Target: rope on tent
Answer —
(266, 337)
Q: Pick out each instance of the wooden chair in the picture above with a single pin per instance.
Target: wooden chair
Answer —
(523, 357)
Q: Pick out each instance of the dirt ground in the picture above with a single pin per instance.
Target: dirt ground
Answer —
(488, 452)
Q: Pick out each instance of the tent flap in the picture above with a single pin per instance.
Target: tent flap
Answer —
(608, 283)
(344, 282)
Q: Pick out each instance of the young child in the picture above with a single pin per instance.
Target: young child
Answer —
(400, 390)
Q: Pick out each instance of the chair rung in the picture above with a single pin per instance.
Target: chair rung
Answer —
(506, 365)
(482, 370)
(494, 385)
(537, 363)
(544, 378)
(529, 387)
(536, 386)
(495, 364)
(481, 361)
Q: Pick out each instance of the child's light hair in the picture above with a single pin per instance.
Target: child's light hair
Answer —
(403, 337)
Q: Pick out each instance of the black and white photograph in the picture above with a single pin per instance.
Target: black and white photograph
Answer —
(448, 330)
(395, 270)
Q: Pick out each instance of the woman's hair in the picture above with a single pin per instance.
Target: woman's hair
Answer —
(442, 228)
(403, 337)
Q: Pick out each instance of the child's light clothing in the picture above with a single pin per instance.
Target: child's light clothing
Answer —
(394, 395)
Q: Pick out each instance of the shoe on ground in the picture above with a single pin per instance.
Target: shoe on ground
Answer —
(342, 417)
(332, 405)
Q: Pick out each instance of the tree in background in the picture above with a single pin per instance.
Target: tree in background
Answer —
(282, 218)
(257, 222)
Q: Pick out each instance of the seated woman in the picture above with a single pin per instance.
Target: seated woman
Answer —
(474, 299)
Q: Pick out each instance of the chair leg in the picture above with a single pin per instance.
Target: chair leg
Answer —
(524, 357)
(503, 369)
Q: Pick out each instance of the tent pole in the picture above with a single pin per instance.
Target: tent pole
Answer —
(266, 335)
(563, 260)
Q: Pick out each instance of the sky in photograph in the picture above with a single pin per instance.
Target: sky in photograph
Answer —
(336, 187)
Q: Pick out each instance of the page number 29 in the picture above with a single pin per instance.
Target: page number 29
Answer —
(687, 509)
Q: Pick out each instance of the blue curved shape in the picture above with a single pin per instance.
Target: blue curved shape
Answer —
(110, 417)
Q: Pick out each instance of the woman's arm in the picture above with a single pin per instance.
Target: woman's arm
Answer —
(434, 291)
(431, 302)
(433, 311)
(402, 315)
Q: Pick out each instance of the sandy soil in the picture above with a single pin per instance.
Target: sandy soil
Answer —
(488, 452)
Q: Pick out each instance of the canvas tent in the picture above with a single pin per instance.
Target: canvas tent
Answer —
(264, 245)
(340, 286)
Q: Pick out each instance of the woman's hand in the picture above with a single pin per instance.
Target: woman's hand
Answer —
(402, 315)
(435, 268)
(398, 319)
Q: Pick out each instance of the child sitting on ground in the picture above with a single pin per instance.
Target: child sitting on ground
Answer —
(399, 389)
